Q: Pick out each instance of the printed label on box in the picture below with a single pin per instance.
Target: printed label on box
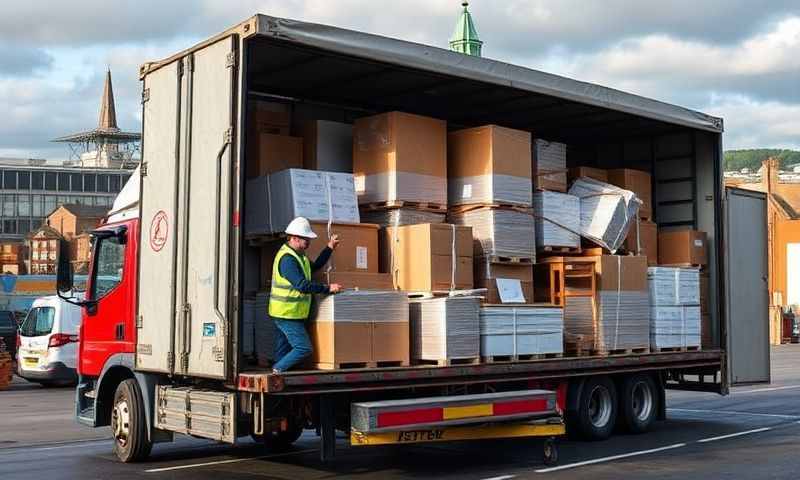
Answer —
(510, 290)
(466, 192)
(698, 243)
(361, 258)
(360, 183)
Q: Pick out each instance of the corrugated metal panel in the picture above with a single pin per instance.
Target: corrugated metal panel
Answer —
(206, 414)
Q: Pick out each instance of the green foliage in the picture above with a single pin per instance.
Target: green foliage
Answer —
(739, 159)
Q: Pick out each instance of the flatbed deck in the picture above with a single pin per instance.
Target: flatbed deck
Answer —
(350, 380)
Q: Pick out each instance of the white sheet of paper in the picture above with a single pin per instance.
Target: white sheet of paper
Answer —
(466, 192)
(360, 183)
(361, 258)
(510, 290)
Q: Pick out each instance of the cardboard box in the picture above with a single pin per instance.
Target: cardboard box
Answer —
(591, 172)
(637, 182)
(487, 273)
(549, 166)
(356, 280)
(328, 146)
(420, 257)
(682, 247)
(647, 241)
(489, 164)
(275, 153)
(357, 250)
(400, 157)
(263, 117)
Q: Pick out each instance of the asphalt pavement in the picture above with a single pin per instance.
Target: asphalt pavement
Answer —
(752, 433)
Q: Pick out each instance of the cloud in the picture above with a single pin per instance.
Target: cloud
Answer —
(753, 124)
(17, 61)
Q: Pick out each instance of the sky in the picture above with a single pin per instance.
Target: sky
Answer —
(736, 59)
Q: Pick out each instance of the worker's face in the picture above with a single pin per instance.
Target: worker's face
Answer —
(299, 243)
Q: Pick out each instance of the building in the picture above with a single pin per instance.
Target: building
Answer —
(74, 222)
(12, 258)
(43, 246)
(465, 36)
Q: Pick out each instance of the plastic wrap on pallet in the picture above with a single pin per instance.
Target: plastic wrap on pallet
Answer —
(264, 330)
(672, 286)
(550, 165)
(607, 212)
(492, 188)
(499, 232)
(401, 216)
(274, 200)
(362, 306)
(521, 330)
(675, 326)
(623, 320)
(444, 328)
(557, 219)
(401, 186)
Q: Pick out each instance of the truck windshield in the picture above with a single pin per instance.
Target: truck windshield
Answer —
(38, 322)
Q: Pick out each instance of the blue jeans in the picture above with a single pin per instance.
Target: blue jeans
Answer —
(292, 344)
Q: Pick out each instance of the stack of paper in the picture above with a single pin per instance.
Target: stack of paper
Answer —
(557, 217)
(444, 328)
(521, 330)
(499, 232)
(675, 316)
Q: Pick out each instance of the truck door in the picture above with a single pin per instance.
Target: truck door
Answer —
(746, 292)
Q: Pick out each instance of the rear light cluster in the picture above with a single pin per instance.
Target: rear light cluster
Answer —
(60, 339)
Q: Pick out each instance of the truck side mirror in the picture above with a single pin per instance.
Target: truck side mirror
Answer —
(64, 276)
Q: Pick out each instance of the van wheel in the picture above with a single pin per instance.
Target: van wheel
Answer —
(131, 443)
(638, 403)
(597, 409)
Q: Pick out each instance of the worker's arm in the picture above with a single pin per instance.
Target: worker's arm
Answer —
(291, 270)
(322, 259)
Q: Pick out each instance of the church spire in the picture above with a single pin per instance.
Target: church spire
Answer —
(465, 36)
(108, 114)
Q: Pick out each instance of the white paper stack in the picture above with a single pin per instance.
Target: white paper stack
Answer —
(499, 232)
(675, 316)
(489, 189)
(550, 160)
(264, 330)
(362, 306)
(444, 328)
(397, 217)
(401, 186)
(557, 219)
(521, 330)
(606, 211)
(272, 201)
(623, 320)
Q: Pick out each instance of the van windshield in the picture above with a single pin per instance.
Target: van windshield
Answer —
(38, 322)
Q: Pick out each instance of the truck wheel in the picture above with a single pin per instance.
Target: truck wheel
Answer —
(131, 443)
(597, 409)
(638, 403)
(282, 439)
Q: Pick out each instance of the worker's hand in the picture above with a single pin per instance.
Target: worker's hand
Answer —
(334, 288)
(333, 242)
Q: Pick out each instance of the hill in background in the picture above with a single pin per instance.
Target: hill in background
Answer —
(752, 158)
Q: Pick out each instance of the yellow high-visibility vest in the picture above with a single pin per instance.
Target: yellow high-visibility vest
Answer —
(284, 300)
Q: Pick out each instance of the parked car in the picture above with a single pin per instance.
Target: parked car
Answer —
(48, 347)
(8, 331)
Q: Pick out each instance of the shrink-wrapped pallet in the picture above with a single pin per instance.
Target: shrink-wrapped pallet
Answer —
(549, 165)
(444, 328)
(557, 219)
(607, 212)
(398, 217)
(265, 330)
(275, 200)
(499, 232)
(673, 286)
(521, 330)
(675, 326)
(360, 327)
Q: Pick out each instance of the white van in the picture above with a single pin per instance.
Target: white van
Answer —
(48, 350)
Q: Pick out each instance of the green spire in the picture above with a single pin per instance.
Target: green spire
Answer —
(465, 36)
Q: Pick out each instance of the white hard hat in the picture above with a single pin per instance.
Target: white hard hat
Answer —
(300, 227)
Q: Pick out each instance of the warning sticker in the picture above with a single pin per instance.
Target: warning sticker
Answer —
(159, 229)
(361, 258)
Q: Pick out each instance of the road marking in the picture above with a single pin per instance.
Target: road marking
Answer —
(731, 412)
(501, 477)
(769, 389)
(737, 434)
(222, 462)
(11, 449)
(609, 459)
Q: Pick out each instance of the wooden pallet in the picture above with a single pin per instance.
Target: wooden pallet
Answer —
(356, 365)
(509, 260)
(468, 207)
(676, 349)
(575, 350)
(448, 362)
(425, 206)
(519, 358)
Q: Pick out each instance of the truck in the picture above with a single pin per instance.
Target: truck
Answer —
(160, 340)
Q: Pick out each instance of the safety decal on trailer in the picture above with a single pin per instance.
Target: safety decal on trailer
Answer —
(209, 329)
(159, 229)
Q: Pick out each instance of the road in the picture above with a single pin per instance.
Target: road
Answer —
(753, 433)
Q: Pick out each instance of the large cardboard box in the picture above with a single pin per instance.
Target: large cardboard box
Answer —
(647, 243)
(682, 247)
(328, 146)
(263, 117)
(591, 172)
(275, 153)
(400, 157)
(489, 164)
(420, 257)
(357, 250)
(638, 182)
(487, 273)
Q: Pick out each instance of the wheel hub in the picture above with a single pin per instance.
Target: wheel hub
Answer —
(121, 421)
(642, 401)
(600, 406)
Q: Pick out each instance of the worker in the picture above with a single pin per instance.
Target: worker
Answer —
(290, 298)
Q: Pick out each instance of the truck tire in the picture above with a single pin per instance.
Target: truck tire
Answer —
(638, 403)
(280, 440)
(128, 425)
(597, 409)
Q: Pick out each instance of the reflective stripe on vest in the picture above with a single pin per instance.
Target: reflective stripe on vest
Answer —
(284, 300)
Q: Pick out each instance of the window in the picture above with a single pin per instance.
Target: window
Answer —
(109, 261)
(37, 206)
(102, 183)
(37, 180)
(24, 180)
(63, 182)
(24, 225)
(50, 181)
(39, 322)
(10, 180)
(24, 205)
(10, 226)
(49, 204)
(9, 208)
(89, 182)
(114, 187)
(53, 244)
